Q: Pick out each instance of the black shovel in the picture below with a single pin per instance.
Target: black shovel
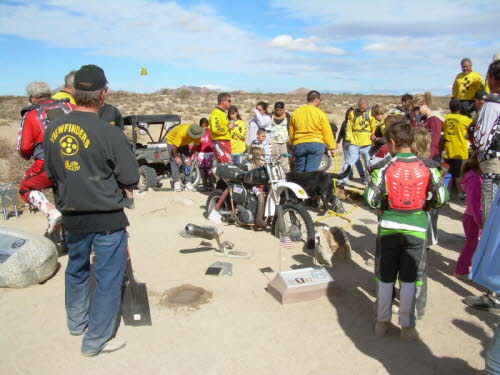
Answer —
(135, 303)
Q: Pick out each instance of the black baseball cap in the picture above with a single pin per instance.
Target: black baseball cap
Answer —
(90, 78)
(481, 94)
(455, 105)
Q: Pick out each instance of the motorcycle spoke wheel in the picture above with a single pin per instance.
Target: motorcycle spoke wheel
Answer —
(298, 224)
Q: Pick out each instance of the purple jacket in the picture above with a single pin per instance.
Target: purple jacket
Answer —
(471, 183)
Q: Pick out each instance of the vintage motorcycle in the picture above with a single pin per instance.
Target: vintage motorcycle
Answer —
(249, 197)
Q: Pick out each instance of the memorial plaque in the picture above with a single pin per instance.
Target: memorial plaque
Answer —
(299, 285)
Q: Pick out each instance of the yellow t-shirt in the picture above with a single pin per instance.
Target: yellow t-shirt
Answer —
(359, 128)
(466, 85)
(238, 137)
(310, 124)
(219, 125)
(455, 128)
(63, 95)
(179, 136)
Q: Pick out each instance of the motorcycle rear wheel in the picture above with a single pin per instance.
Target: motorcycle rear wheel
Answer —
(299, 226)
(195, 175)
(212, 200)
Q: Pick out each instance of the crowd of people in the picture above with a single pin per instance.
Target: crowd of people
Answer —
(408, 158)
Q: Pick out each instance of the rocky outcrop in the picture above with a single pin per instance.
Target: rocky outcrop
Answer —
(25, 258)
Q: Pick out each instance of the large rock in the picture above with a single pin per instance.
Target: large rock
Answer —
(331, 245)
(25, 258)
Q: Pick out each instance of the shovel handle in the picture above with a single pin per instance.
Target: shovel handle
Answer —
(129, 270)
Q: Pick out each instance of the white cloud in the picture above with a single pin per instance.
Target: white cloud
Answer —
(395, 18)
(211, 86)
(351, 46)
(303, 45)
(142, 29)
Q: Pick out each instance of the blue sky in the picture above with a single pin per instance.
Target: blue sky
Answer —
(266, 46)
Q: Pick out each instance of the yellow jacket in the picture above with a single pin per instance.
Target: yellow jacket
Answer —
(179, 136)
(62, 95)
(466, 85)
(359, 128)
(239, 137)
(310, 124)
(219, 125)
(455, 128)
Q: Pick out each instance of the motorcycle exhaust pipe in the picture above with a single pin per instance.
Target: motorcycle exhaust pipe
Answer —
(221, 199)
(260, 219)
(207, 233)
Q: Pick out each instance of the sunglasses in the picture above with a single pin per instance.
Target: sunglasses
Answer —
(227, 100)
(415, 109)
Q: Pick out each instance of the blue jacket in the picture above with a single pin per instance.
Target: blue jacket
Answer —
(486, 260)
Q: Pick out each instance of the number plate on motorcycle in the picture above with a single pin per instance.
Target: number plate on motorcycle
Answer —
(215, 216)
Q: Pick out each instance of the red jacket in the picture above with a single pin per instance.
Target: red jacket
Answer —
(35, 120)
(434, 125)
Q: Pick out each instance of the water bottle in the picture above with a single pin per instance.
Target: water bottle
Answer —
(187, 169)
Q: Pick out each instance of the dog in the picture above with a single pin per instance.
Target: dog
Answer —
(319, 185)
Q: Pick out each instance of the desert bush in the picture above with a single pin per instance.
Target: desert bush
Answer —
(13, 165)
(184, 94)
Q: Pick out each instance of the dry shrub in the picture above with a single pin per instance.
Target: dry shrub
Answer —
(184, 94)
(13, 166)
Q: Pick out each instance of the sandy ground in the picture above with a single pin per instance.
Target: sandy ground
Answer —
(243, 330)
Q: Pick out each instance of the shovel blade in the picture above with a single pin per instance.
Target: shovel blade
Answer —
(135, 305)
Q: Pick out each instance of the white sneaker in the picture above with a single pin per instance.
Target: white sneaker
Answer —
(177, 186)
(190, 187)
(54, 218)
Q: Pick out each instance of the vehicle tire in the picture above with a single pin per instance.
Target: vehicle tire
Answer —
(195, 175)
(326, 163)
(299, 225)
(147, 178)
(212, 200)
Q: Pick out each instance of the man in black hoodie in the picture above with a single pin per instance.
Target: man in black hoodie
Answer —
(91, 163)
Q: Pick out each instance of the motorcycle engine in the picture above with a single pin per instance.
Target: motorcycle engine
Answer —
(239, 194)
(244, 215)
(246, 203)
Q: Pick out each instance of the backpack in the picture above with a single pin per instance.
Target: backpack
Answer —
(357, 112)
(46, 112)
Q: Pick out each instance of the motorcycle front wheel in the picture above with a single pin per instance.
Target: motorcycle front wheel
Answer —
(299, 226)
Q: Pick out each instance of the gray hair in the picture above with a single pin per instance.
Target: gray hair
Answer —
(496, 56)
(464, 60)
(69, 79)
(88, 98)
(38, 89)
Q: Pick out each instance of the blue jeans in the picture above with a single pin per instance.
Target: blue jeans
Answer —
(308, 156)
(493, 354)
(109, 268)
(359, 164)
(354, 154)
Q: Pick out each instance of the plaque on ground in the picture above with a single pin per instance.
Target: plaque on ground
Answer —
(299, 285)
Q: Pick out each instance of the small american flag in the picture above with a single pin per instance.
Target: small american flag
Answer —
(285, 242)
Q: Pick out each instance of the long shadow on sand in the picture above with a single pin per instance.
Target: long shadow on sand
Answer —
(440, 267)
(356, 318)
